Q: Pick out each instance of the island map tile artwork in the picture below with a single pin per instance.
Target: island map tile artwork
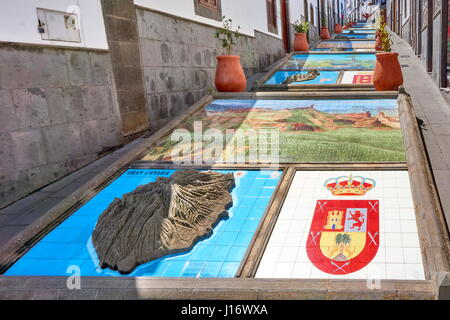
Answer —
(325, 77)
(220, 254)
(309, 130)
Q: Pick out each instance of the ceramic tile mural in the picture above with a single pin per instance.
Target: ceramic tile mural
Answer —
(365, 36)
(324, 77)
(331, 61)
(346, 225)
(365, 31)
(309, 130)
(219, 255)
(346, 44)
(357, 77)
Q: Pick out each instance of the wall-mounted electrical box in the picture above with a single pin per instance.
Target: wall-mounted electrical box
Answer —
(58, 26)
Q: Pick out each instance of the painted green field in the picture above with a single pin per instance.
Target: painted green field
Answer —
(343, 145)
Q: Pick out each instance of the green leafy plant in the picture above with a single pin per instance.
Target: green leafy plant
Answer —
(385, 38)
(301, 26)
(227, 36)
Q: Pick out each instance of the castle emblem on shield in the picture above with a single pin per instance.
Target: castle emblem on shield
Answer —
(344, 235)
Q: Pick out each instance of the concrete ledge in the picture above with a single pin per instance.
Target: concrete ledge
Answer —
(102, 288)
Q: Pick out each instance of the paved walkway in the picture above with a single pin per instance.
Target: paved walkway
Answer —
(432, 108)
(19, 215)
(429, 105)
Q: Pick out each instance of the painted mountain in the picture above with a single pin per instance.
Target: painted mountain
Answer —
(309, 130)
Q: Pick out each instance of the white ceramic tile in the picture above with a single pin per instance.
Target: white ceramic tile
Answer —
(318, 274)
(409, 226)
(398, 255)
(410, 240)
(394, 255)
(407, 214)
(288, 254)
(283, 270)
(392, 226)
(302, 270)
(376, 271)
(393, 240)
(293, 239)
(302, 255)
(381, 256)
(412, 255)
(266, 270)
(271, 254)
(395, 271)
(414, 271)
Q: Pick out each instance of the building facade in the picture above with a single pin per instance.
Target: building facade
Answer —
(424, 25)
(79, 78)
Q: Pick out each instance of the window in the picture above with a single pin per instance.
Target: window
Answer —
(211, 9)
(272, 15)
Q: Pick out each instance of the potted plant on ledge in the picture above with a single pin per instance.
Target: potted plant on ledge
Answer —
(230, 76)
(301, 42)
(338, 28)
(388, 73)
(324, 32)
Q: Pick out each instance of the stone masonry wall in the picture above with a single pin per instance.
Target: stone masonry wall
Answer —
(179, 61)
(122, 34)
(58, 112)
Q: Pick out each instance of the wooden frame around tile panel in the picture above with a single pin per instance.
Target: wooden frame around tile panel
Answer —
(19, 245)
(433, 233)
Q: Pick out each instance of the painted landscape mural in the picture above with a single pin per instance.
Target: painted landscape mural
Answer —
(331, 61)
(346, 45)
(309, 130)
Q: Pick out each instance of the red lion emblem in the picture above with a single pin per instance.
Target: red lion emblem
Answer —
(358, 218)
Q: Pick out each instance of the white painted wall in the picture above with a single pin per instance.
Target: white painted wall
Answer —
(297, 10)
(250, 15)
(18, 22)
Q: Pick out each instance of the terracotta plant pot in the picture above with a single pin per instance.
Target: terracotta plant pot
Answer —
(337, 28)
(388, 73)
(324, 33)
(346, 27)
(230, 76)
(301, 42)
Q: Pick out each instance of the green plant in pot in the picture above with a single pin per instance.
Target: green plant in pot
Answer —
(230, 76)
(301, 41)
(388, 72)
(324, 32)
